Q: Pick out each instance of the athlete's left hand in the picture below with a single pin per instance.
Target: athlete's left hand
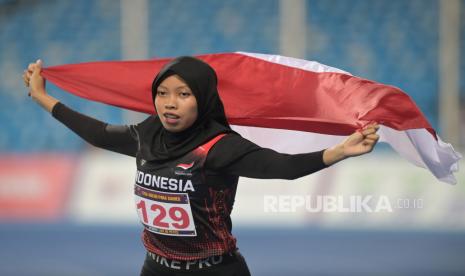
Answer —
(361, 142)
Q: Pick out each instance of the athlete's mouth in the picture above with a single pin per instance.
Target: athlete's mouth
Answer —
(171, 118)
(171, 115)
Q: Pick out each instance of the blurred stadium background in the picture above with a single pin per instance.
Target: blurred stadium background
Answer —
(66, 207)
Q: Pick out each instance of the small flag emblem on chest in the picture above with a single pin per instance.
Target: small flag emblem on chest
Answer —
(185, 166)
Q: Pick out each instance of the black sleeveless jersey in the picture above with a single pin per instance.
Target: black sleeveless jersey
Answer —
(185, 207)
(185, 210)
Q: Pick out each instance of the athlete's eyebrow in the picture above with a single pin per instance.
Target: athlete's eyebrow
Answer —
(181, 86)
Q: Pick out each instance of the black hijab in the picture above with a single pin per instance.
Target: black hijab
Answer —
(156, 143)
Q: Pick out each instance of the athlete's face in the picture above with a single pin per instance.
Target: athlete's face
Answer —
(176, 104)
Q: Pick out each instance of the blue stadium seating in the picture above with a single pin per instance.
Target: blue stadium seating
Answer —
(394, 42)
(462, 56)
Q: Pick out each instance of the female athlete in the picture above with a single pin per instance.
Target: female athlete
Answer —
(188, 164)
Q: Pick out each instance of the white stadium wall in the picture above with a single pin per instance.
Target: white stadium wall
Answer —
(377, 191)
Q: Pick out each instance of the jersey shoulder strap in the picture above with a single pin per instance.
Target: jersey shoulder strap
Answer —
(205, 148)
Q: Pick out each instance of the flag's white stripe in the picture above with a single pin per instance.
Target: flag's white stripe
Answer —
(439, 157)
(419, 147)
(416, 145)
(288, 141)
(306, 65)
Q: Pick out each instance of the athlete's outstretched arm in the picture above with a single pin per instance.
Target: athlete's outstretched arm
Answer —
(238, 156)
(118, 138)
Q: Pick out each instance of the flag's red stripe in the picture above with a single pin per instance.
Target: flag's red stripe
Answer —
(255, 93)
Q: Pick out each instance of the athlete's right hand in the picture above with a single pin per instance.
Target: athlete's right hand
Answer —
(34, 80)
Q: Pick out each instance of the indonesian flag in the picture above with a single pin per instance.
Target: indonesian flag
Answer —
(287, 104)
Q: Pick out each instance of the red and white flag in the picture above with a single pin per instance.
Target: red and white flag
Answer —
(288, 104)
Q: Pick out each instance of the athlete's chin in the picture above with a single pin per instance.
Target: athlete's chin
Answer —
(173, 128)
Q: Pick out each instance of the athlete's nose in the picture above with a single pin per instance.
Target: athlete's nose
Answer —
(170, 106)
(171, 102)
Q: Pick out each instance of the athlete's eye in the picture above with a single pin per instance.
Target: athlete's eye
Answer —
(185, 94)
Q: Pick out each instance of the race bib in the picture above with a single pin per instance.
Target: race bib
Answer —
(165, 213)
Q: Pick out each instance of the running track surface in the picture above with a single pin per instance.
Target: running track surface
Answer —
(70, 249)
